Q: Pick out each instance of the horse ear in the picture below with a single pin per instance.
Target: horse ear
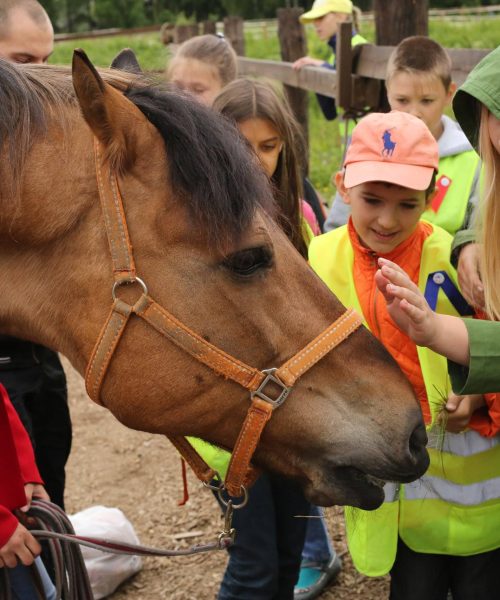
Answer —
(126, 60)
(107, 112)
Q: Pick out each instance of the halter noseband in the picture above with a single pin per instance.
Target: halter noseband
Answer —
(240, 473)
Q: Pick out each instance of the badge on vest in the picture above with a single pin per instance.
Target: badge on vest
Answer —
(443, 184)
(440, 280)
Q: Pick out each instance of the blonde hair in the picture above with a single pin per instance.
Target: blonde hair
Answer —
(212, 50)
(353, 17)
(489, 221)
(419, 55)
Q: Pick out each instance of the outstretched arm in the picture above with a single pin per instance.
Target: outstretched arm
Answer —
(409, 309)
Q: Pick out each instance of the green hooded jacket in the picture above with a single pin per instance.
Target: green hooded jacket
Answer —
(482, 86)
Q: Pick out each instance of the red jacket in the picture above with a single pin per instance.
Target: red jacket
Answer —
(17, 466)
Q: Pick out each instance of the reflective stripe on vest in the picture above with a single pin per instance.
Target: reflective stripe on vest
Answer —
(454, 183)
(452, 509)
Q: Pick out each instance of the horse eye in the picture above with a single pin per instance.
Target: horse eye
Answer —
(246, 263)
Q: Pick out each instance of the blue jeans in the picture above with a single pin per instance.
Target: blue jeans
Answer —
(264, 561)
(21, 583)
(317, 546)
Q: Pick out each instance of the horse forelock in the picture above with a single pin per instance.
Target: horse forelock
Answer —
(211, 166)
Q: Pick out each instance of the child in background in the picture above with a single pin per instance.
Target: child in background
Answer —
(202, 66)
(20, 481)
(439, 533)
(326, 15)
(418, 82)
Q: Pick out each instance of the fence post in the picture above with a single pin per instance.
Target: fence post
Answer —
(233, 30)
(209, 27)
(185, 32)
(293, 45)
(343, 60)
(398, 19)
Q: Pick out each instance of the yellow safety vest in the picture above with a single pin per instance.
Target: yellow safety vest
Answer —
(454, 183)
(454, 508)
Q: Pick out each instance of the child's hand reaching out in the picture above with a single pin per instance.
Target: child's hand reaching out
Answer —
(460, 409)
(406, 303)
(409, 310)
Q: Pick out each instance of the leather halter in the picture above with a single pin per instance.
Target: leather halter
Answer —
(240, 473)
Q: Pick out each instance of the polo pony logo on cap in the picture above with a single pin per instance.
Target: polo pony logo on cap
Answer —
(389, 145)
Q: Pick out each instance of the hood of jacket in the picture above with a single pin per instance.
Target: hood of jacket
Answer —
(453, 140)
(482, 86)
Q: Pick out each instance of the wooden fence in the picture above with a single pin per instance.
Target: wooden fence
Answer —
(357, 83)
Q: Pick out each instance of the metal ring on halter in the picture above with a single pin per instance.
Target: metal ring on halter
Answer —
(118, 284)
(243, 503)
(212, 486)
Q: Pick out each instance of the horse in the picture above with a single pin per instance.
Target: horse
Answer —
(192, 225)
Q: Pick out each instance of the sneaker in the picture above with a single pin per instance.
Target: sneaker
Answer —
(314, 577)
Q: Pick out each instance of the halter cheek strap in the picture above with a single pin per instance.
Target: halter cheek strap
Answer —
(262, 385)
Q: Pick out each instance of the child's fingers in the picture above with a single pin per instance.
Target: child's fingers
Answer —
(383, 262)
(398, 277)
(382, 283)
(411, 302)
(453, 402)
(416, 314)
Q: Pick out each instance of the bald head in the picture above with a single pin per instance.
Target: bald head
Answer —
(26, 34)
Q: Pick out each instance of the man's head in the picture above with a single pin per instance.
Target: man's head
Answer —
(388, 177)
(26, 34)
(419, 81)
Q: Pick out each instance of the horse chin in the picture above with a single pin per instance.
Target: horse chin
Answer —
(347, 486)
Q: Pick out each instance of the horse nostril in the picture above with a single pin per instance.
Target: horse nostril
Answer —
(418, 441)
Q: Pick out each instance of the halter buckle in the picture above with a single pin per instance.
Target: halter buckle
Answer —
(271, 377)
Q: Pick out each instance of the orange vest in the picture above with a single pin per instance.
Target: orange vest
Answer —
(408, 254)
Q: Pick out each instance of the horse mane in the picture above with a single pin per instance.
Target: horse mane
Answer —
(210, 167)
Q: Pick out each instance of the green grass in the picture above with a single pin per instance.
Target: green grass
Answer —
(152, 54)
(324, 137)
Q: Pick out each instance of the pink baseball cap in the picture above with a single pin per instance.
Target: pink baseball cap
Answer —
(395, 147)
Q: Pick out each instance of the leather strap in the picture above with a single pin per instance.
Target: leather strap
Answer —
(114, 219)
(105, 348)
(205, 352)
(240, 473)
(258, 415)
(194, 460)
(336, 333)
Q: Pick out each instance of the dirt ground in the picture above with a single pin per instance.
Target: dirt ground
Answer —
(141, 474)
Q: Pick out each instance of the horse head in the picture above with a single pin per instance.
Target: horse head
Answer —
(199, 214)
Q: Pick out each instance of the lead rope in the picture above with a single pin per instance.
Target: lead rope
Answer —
(71, 577)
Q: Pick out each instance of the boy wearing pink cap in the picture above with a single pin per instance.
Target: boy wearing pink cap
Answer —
(436, 534)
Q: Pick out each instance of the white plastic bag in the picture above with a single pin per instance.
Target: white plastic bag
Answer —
(106, 571)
